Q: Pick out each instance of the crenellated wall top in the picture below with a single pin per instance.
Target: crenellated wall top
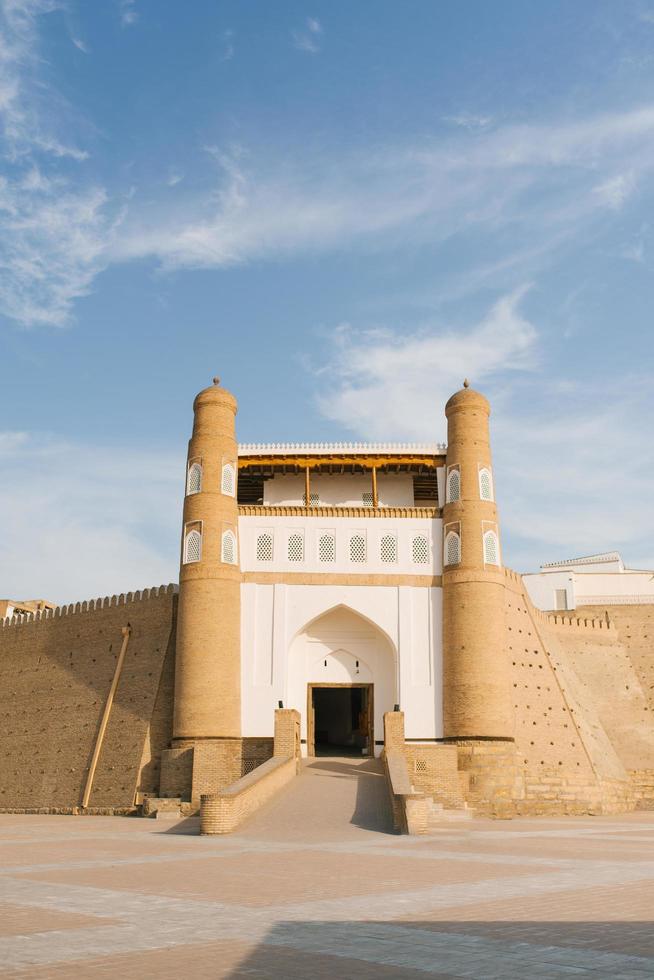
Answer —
(90, 605)
(556, 619)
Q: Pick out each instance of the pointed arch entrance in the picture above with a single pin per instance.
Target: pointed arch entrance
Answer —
(342, 678)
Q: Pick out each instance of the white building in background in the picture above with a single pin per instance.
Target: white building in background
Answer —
(595, 580)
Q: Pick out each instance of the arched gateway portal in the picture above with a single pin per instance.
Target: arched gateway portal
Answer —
(342, 678)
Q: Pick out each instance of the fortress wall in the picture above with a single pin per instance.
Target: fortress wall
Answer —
(55, 674)
(575, 754)
(625, 689)
(635, 626)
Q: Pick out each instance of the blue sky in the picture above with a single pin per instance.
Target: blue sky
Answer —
(342, 209)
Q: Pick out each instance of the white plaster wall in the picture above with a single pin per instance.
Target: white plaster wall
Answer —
(372, 528)
(593, 588)
(396, 636)
(541, 588)
(614, 587)
(393, 490)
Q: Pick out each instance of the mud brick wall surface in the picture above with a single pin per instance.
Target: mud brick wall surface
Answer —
(55, 675)
(583, 721)
(433, 769)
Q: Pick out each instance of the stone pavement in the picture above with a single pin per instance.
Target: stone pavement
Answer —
(316, 885)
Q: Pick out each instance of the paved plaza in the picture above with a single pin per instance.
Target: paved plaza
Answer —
(316, 885)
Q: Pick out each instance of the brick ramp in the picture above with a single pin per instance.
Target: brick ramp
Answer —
(330, 798)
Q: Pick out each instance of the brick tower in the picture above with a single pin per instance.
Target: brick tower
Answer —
(206, 748)
(477, 706)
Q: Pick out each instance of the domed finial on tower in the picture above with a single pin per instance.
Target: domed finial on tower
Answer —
(466, 383)
(216, 380)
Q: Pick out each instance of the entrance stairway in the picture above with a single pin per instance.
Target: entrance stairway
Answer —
(331, 796)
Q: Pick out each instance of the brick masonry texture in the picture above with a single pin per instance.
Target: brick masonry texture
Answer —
(583, 697)
(55, 674)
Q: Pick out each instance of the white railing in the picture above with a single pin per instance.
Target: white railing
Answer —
(350, 545)
(340, 448)
(615, 600)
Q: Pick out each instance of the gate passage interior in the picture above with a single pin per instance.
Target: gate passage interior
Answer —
(340, 718)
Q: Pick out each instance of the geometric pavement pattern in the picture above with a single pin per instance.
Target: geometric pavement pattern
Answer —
(316, 885)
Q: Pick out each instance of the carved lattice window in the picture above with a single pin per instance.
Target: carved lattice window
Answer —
(453, 486)
(228, 548)
(264, 546)
(327, 547)
(485, 485)
(295, 547)
(420, 549)
(194, 478)
(491, 548)
(388, 548)
(228, 481)
(357, 548)
(452, 548)
(192, 547)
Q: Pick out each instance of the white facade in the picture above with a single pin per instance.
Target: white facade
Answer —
(296, 635)
(592, 581)
(361, 545)
(387, 635)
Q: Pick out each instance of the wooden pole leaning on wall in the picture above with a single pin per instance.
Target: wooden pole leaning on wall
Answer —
(126, 630)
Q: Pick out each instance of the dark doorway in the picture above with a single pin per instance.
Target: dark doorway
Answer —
(341, 720)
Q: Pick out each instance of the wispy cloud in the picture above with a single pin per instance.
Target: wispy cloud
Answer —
(308, 39)
(53, 245)
(616, 190)
(550, 439)
(54, 226)
(82, 502)
(548, 183)
(128, 12)
(469, 120)
(228, 45)
(390, 383)
(26, 103)
(555, 487)
(551, 180)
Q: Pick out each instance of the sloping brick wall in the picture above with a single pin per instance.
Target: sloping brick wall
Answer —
(55, 674)
(583, 722)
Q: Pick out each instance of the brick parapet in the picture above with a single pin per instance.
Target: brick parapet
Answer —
(224, 812)
(89, 606)
(514, 583)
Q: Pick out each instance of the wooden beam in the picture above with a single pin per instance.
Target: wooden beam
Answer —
(375, 498)
(307, 487)
(364, 462)
(126, 630)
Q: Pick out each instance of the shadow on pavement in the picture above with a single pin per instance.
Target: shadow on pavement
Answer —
(477, 950)
(372, 809)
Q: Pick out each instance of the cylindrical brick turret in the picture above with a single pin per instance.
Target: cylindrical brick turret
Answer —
(208, 655)
(476, 680)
